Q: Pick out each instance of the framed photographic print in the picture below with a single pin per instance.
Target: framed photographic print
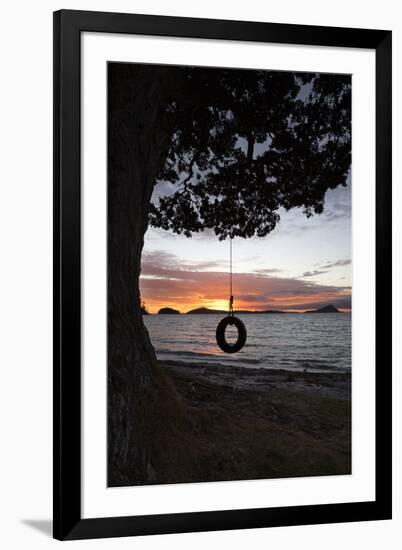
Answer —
(222, 274)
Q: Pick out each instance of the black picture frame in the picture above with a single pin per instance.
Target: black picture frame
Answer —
(68, 522)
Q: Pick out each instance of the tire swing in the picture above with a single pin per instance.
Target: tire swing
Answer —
(231, 320)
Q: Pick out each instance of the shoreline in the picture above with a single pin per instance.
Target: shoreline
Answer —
(334, 385)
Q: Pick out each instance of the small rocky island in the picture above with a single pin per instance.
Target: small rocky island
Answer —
(326, 309)
(168, 311)
(204, 311)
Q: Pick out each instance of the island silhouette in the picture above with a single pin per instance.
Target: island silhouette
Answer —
(168, 311)
(206, 311)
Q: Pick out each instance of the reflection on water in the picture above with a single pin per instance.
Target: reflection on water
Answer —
(320, 341)
(231, 334)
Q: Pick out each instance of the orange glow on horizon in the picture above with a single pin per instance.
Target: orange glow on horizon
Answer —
(186, 304)
(185, 288)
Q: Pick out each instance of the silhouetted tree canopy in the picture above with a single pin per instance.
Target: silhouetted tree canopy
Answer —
(245, 143)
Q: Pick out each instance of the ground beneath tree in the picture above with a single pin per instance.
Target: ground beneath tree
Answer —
(230, 423)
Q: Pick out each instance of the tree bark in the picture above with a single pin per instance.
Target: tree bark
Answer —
(138, 142)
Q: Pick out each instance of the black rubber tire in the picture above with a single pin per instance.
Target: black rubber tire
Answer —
(220, 334)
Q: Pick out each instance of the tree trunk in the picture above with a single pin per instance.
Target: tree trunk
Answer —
(138, 142)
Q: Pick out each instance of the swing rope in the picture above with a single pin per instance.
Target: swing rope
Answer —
(230, 279)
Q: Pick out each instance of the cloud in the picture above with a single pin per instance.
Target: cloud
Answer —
(266, 271)
(312, 273)
(338, 263)
(338, 202)
(160, 262)
(167, 281)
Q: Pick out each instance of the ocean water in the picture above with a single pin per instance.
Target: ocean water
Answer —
(313, 342)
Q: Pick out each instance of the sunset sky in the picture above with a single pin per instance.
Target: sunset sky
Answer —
(302, 264)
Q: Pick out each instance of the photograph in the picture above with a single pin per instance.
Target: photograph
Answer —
(229, 274)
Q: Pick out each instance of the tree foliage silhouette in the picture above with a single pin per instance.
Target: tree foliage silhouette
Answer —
(245, 143)
(236, 146)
